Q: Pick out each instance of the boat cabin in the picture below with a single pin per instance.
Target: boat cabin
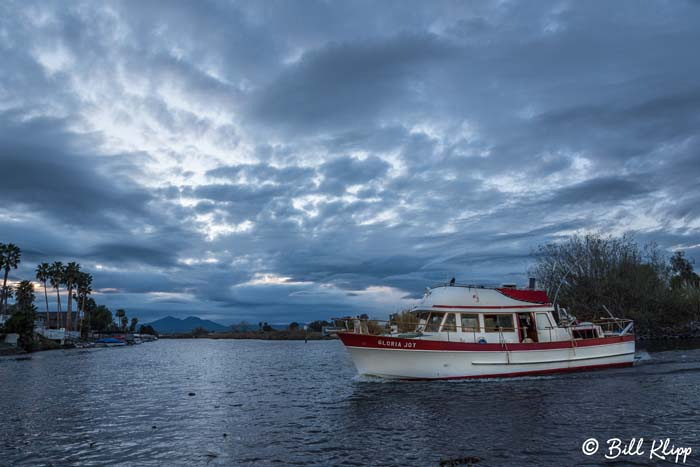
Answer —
(491, 327)
(492, 315)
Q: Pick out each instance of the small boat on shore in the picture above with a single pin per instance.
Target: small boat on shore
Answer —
(465, 331)
(109, 342)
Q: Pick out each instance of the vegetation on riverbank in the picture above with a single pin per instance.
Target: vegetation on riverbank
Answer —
(294, 331)
(89, 316)
(587, 274)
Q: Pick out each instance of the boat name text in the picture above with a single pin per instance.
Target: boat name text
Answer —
(397, 344)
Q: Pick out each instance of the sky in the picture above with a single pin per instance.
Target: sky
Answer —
(280, 160)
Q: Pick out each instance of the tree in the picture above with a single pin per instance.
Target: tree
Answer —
(10, 256)
(682, 272)
(56, 278)
(317, 326)
(147, 329)
(43, 274)
(22, 319)
(199, 331)
(70, 277)
(132, 326)
(83, 289)
(121, 314)
(125, 321)
(101, 319)
(5, 294)
(685, 283)
(89, 309)
(24, 297)
(294, 326)
(589, 273)
(266, 327)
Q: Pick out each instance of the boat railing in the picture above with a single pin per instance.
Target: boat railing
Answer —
(474, 286)
(615, 326)
(416, 329)
(453, 333)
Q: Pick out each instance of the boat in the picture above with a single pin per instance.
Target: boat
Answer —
(467, 331)
(109, 342)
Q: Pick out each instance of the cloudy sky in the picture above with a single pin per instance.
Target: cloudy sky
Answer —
(299, 160)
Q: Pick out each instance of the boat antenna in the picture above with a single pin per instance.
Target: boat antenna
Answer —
(556, 294)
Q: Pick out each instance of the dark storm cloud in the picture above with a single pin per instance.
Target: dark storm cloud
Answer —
(600, 190)
(247, 160)
(159, 254)
(348, 82)
(45, 171)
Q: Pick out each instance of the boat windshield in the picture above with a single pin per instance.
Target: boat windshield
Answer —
(434, 321)
(450, 324)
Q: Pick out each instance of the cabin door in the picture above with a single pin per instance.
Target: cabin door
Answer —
(527, 327)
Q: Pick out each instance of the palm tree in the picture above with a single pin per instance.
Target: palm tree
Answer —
(70, 276)
(24, 297)
(5, 294)
(121, 314)
(10, 255)
(83, 289)
(56, 277)
(43, 273)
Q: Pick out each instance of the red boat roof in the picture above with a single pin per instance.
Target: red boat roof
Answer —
(525, 295)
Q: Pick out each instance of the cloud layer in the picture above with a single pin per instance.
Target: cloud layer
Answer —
(300, 160)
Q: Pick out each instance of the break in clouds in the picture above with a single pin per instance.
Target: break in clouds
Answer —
(286, 161)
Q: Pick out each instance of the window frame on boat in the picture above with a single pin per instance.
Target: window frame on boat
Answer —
(498, 327)
(444, 327)
(470, 329)
(429, 321)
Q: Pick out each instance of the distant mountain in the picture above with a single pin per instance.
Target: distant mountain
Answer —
(170, 325)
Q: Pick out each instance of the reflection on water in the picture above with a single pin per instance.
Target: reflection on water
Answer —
(265, 403)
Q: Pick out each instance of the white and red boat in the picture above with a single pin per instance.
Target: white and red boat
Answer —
(465, 331)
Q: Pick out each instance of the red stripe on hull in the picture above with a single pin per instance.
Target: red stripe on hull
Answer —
(530, 373)
(397, 343)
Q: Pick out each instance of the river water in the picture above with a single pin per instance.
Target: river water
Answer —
(291, 403)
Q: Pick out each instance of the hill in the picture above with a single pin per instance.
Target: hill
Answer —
(171, 325)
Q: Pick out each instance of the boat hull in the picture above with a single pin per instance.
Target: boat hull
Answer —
(397, 358)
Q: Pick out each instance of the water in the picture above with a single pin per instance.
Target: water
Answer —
(291, 403)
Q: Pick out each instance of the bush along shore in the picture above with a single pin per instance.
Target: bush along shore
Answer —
(29, 329)
(591, 274)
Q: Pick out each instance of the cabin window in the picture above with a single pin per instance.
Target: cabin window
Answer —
(585, 334)
(494, 322)
(434, 321)
(470, 323)
(450, 324)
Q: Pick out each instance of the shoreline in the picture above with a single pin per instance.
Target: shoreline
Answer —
(7, 350)
(266, 336)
